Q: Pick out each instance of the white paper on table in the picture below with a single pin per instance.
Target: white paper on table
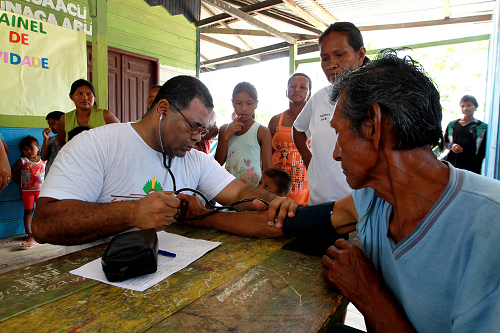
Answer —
(186, 249)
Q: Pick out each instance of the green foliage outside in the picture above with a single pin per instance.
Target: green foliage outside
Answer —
(457, 70)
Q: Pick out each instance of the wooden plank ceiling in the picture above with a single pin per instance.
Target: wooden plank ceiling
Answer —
(237, 32)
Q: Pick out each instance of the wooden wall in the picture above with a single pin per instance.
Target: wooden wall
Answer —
(11, 205)
(133, 26)
(136, 27)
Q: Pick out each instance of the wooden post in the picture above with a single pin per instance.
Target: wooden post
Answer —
(492, 104)
(198, 52)
(293, 57)
(99, 13)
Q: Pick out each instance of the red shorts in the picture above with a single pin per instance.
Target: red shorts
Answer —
(29, 198)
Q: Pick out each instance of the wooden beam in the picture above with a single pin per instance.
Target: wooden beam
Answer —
(220, 43)
(468, 19)
(204, 68)
(323, 12)
(293, 22)
(283, 17)
(249, 19)
(259, 51)
(305, 15)
(250, 32)
(244, 42)
(100, 52)
(278, 51)
(446, 9)
(438, 43)
(246, 9)
(274, 52)
(292, 58)
(415, 46)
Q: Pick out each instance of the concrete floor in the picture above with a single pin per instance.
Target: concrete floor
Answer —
(12, 257)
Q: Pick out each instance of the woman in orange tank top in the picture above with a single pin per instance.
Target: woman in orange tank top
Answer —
(285, 155)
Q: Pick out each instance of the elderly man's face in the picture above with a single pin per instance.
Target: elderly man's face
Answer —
(356, 154)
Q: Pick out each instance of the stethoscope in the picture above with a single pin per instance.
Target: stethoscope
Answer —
(214, 208)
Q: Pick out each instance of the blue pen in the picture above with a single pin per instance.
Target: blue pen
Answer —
(167, 254)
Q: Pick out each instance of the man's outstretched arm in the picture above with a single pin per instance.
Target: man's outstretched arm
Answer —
(338, 216)
(72, 222)
(279, 207)
(249, 224)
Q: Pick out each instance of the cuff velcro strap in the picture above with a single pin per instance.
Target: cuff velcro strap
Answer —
(311, 220)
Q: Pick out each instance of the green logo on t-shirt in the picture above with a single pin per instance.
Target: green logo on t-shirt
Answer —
(152, 186)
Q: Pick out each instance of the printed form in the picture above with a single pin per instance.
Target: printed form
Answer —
(187, 250)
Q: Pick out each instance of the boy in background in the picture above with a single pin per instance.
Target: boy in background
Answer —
(276, 181)
(50, 145)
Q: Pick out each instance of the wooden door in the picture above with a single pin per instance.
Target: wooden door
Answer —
(115, 93)
(130, 77)
(137, 79)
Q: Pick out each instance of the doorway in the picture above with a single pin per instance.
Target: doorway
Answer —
(130, 78)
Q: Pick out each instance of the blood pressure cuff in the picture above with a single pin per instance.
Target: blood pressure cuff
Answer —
(313, 228)
(130, 255)
(311, 220)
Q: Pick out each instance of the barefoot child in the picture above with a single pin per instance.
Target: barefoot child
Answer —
(32, 170)
(244, 145)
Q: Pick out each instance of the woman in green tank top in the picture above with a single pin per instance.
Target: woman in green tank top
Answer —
(82, 93)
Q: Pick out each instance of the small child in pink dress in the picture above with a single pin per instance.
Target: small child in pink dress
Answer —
(32, 172)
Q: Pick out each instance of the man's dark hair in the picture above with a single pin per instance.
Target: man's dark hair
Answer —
(281, 179)
(309, 82)
(179, 91)
(54, 115)
(469, 98)
(77, 130)
(405, 93)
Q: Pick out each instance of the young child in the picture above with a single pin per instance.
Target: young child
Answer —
(32, 169)
(50, 145)
(276, 181)
(244, 145)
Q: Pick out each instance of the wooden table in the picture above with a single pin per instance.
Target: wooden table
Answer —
(244, 285)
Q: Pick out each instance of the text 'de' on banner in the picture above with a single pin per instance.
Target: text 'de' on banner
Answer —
(38, 63)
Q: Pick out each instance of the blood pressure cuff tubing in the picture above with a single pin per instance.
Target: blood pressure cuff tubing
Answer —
(310, 221)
